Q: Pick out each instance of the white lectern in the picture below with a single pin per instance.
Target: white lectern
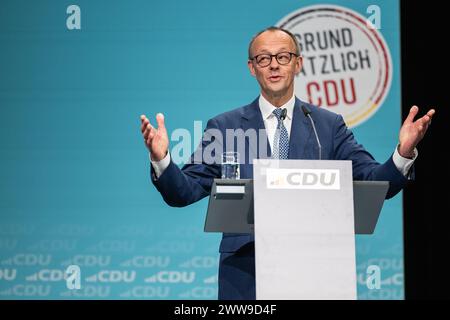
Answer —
(304, 225)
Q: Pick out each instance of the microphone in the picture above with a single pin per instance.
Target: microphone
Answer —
(283, 114)
(307, 112)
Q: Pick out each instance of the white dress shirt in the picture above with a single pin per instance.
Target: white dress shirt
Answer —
(271, 122)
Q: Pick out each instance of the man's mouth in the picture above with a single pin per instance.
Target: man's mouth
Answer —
(274, 78)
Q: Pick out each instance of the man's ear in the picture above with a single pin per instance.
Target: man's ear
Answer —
(251, 67)
(298, 65)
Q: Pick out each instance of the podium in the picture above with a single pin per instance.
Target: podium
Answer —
(304, 215)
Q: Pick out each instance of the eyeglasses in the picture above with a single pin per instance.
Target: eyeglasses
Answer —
(283, 58)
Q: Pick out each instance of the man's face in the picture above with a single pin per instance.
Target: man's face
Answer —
(275, 79)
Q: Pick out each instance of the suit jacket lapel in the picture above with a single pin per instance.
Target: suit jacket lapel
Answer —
(252, 119)
(301, 134)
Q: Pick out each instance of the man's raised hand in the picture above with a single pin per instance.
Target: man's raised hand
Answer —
(412, 131)
(156, 139)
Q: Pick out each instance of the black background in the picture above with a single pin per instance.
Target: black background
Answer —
(424, 37)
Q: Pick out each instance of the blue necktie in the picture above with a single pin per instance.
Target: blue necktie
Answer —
(281, 138)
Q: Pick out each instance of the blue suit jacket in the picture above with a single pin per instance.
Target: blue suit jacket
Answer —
(181, 187)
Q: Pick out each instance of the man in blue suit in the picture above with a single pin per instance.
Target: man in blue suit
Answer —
(275, 60)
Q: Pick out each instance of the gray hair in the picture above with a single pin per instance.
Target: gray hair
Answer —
(273, 28)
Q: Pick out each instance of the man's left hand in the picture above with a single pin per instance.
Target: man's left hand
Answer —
(412, 131)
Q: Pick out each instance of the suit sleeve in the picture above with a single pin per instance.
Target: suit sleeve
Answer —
(364, 165)
(191, 183)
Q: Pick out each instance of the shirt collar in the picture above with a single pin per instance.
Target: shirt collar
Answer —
(267, 108)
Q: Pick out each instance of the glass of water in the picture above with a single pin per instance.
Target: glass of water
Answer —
(230, 165)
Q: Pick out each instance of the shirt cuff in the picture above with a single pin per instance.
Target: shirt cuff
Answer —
(404, 164)
(161, 165)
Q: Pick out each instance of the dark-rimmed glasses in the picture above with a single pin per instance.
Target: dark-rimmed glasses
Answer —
(265, 59)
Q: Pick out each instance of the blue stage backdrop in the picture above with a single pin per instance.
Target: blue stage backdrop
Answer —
(79, 217)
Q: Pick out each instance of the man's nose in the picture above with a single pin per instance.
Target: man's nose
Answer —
(274, 64)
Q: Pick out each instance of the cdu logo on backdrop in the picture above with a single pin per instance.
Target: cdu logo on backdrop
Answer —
(347, 66)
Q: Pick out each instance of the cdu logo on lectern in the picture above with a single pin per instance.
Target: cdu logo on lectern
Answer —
(318, 179)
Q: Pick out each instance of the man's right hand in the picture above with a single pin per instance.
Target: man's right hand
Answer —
(156, 140)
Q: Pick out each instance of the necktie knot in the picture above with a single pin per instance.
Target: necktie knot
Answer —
(277, 112)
